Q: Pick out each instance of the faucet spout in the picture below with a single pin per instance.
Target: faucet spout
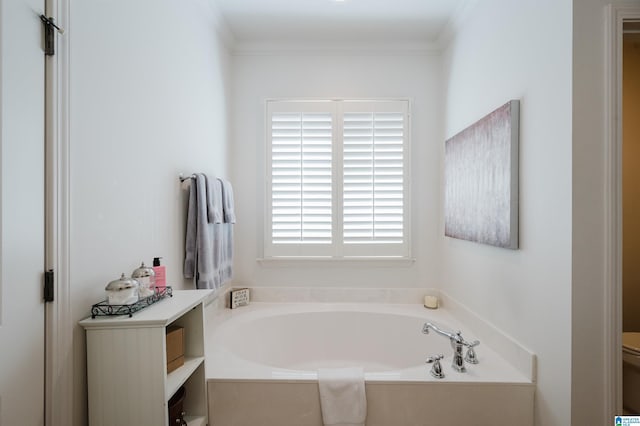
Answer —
(457, 343)
(457, 337)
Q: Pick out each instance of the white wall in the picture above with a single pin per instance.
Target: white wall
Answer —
(521, 50)
(322, 75)
(149, 100)
(589, 282)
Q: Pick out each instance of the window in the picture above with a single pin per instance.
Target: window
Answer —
(337, 179)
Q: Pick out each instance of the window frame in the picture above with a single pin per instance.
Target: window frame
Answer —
(337, 249)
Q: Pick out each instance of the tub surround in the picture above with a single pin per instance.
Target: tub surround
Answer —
(511, 350)
(247, 378)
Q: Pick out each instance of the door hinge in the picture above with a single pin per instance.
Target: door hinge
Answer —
(50, 35)
(48, 285)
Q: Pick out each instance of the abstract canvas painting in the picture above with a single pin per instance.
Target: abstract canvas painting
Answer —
(481, 180)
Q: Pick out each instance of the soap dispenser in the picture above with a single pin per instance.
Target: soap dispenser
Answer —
(161, 273)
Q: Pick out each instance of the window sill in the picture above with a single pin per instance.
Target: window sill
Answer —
(369, 261)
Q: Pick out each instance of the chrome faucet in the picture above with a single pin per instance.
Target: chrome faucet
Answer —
(457, 343)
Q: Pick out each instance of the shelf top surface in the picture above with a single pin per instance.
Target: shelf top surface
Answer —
(159, 314)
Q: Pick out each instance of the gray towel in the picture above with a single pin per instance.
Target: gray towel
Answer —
(214, 203)
(218, 234)
(207, 276)
(189, 270)
(208, 244)
(227, 229)
(199, 261)
(226, 267)
(227, 202)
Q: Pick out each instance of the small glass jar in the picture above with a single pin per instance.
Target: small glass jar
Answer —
(146, 276)
(123, 291)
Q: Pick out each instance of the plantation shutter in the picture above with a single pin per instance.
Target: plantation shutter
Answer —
(373, 177)
(301, 175)
(337, 178)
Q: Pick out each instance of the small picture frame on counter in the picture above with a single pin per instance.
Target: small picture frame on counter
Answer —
(238, 297)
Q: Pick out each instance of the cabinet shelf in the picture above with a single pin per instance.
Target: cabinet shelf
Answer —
(195, 421)
(176, 378)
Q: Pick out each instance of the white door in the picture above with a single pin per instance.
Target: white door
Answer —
(21, 213)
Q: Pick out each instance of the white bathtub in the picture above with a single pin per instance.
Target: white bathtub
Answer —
(270, 352)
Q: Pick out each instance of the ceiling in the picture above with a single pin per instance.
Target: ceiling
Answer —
(331, 21)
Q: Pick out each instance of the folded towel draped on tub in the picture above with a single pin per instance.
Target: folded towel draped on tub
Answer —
(209, 237)
(342, 397)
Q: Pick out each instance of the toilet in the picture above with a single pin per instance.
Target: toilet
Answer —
(631, 372)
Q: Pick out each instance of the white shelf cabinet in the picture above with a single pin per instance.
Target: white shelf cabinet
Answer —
(127, 375)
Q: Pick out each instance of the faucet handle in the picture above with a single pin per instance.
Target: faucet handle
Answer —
(436, 370)
(471, 356)
(434, 358)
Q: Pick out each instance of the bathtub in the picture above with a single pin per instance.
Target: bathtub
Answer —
(262, 363)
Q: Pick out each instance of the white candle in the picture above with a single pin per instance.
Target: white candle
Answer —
(431, 302)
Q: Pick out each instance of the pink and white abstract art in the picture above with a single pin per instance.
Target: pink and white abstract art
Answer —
(481, 180)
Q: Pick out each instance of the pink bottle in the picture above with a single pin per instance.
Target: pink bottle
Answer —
(161, 273)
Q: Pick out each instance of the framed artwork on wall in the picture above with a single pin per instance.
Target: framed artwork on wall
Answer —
(481, 180)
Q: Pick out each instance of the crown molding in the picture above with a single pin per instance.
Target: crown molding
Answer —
(222, 27)
(238, 47)
(457, 20)
(302, 48)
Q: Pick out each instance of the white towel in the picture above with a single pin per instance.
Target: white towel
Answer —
(342, 396)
